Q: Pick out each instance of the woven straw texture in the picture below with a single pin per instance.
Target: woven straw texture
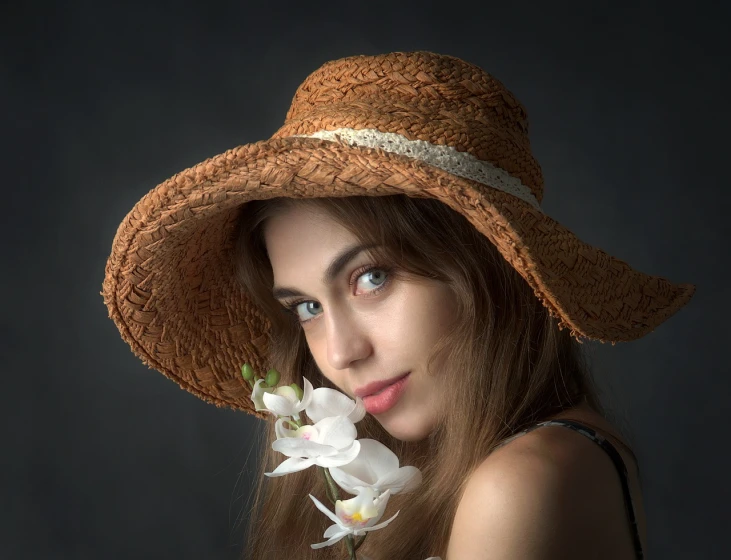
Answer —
(169, 282)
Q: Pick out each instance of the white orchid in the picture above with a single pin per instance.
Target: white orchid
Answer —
(366, 467)
(328, 443)
(355, 516)
(377, 467)
(257, 396)
(328, 402)
(282, 401)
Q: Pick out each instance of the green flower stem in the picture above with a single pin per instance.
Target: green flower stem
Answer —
(360, 541)
(351, 548)
(328, 490)
(331, 484)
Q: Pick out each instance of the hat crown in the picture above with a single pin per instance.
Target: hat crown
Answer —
(420, 95)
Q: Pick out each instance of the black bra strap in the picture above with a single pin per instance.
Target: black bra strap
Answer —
(618, 463)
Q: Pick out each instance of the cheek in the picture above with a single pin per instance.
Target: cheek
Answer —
(317, 348)
(424, 317)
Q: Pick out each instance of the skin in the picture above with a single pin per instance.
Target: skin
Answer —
(549, 494)
(357, 335)
(368, 331)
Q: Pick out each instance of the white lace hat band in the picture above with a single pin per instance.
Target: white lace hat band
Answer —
(447, 158)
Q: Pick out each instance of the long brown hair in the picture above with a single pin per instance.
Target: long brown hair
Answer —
(508, 365)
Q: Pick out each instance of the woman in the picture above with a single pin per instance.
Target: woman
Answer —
(390, 233)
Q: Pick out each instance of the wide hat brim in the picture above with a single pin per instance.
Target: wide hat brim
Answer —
(171, 288)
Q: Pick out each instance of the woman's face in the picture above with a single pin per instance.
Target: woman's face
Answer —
(361, 324)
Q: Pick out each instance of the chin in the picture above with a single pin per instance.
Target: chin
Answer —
(412, 437)
(406, 434)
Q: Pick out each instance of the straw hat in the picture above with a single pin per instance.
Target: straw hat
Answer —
(415, 123)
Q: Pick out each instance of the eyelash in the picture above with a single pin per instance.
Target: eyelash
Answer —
(292, 306)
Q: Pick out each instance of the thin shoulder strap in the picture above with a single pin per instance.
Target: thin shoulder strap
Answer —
(604, 443)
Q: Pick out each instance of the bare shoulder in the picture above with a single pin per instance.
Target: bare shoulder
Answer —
(544, 496)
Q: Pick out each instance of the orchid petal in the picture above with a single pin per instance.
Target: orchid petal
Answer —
(287, 392)
(307, 432)
(319, 505)
(380, 525)
(337, 431)
(298, 447)
(279, 404)
(257, 394)
(380, 457)
(376, 466)
(383, 498)
(346, 481)
(333, 530)
(341, 458)
(362, 505)
(291, 465)
(331, 541)
(358, 412)
(329, 402)
(403, 480)
(374, 461)
(381, 502)
(306, 393)
(282, 431)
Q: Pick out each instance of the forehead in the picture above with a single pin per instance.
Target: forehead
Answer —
(303, 238)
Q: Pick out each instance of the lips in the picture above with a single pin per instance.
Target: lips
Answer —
(377, 386)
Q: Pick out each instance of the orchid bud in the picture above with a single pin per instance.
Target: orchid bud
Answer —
(247, 372)
(297, 390)
(272, 377)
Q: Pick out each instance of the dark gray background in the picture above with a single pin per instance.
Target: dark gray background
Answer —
(104, 458)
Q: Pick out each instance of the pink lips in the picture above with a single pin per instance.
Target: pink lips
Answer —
(377, 386)
(385, 399)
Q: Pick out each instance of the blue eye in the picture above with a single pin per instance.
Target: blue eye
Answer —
(304, 307)
(377, 277)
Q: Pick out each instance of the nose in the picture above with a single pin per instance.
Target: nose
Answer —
(347, 340)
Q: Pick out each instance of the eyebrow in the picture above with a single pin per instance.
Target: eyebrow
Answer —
(337, 264)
